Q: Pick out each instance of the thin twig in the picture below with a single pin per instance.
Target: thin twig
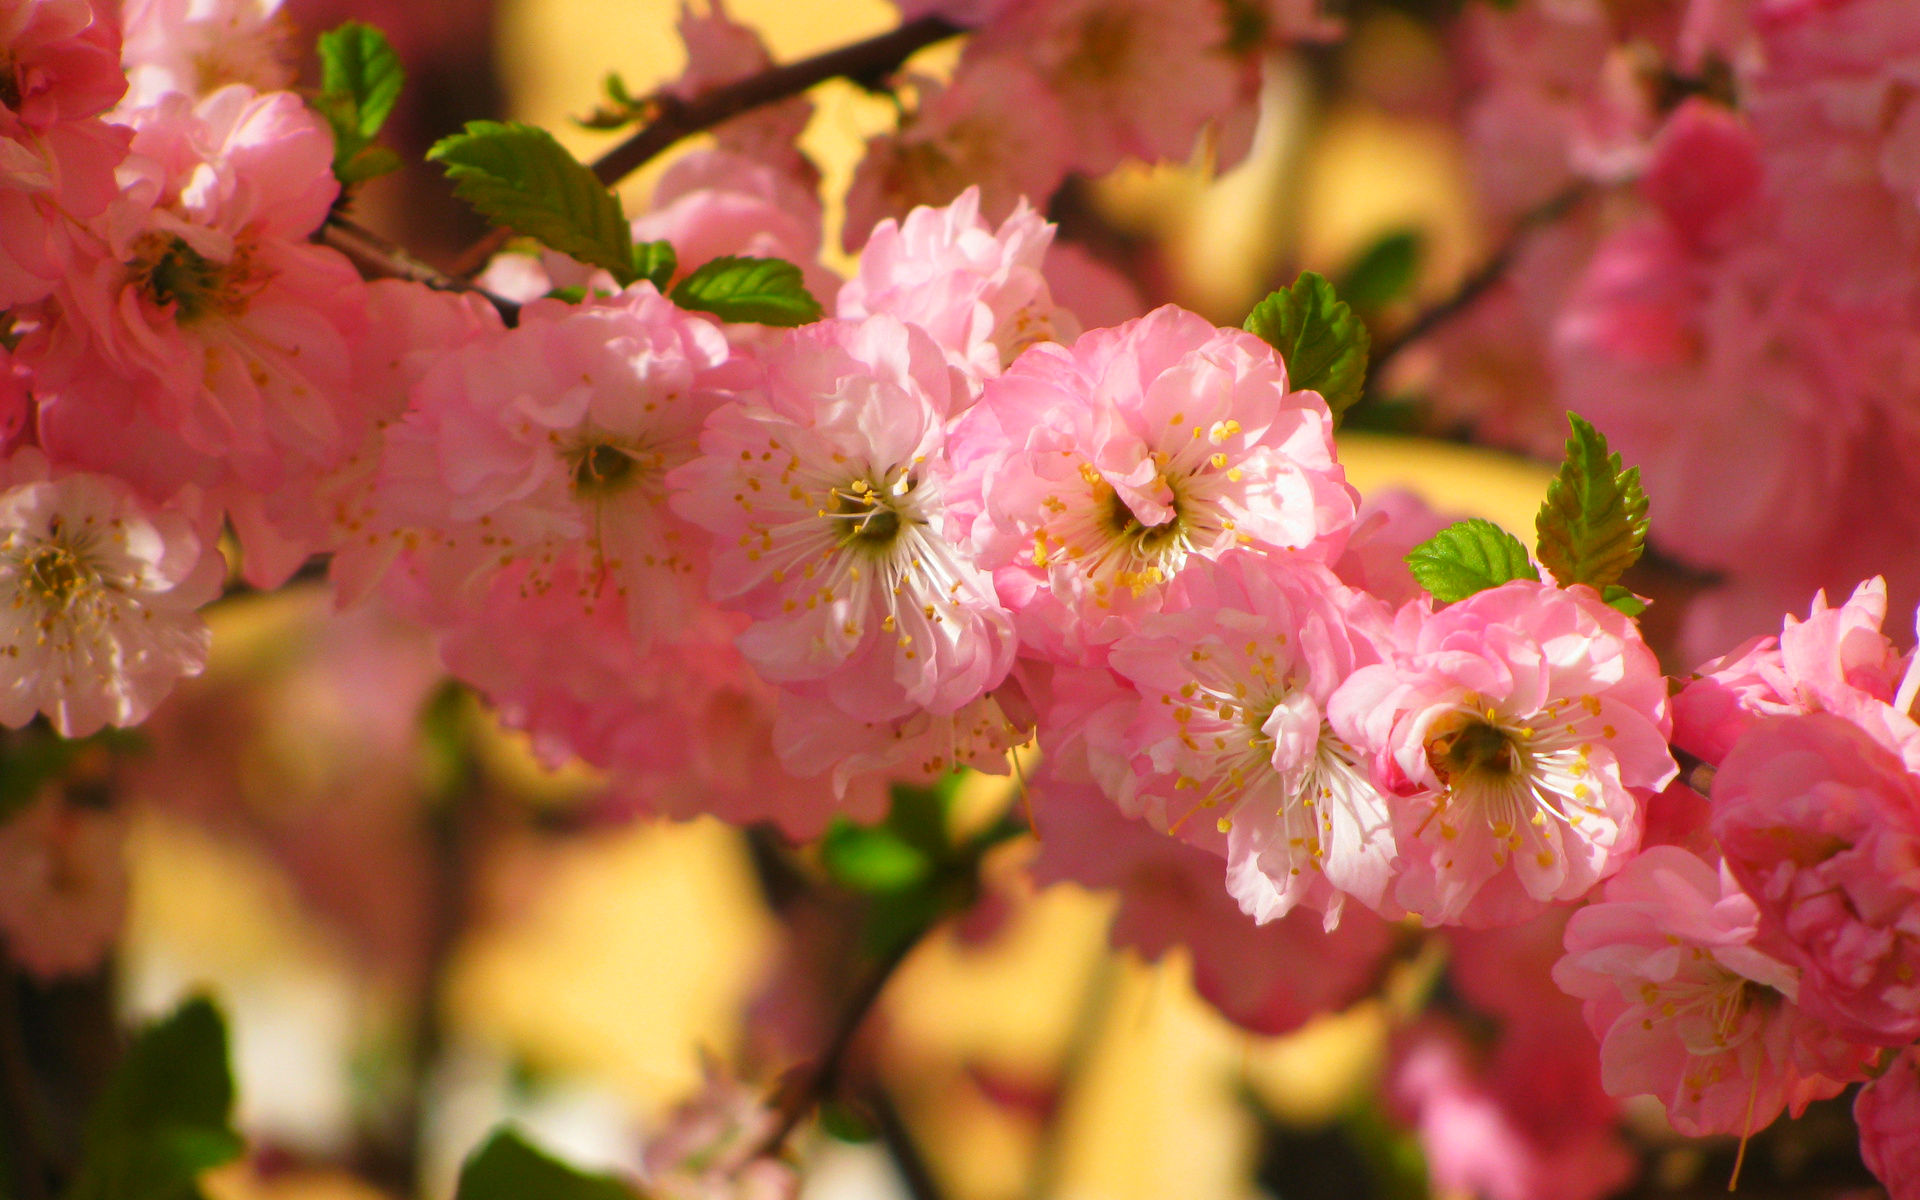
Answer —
(902, 1148)
(1477, 284)
(866, 62)
(376, 256)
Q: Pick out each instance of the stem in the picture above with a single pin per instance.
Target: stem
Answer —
(901, 1147)
(867, 63)
(24, 1151)
(378, 257)
(1479, 282)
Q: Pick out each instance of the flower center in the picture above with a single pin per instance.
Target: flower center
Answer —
(10, 84)
(1474, 751)
(55, 575)
(600, 469)
(871, 518)
(172, 272)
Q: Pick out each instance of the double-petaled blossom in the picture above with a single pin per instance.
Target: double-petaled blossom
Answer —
(1820, 821)
(1887, 1111)
(825, 484)
(97, 599)
(197, 47)
(1091, 474)
(1230, 732)
(1521, 730)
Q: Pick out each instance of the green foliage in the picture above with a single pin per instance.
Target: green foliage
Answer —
(1593, 525)
(1319, 338)
(36, 757)
(360, 80)
(1384, 271)
(165, 1115)
(519, 176)
(508, 1167)
(1467, 557)
(875, 859)
(655, 262)
(767, 291)
(1623, 599)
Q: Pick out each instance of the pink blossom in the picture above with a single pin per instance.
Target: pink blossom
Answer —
(826, 485)
(1523, 728)
(714, 202)
(199, 46)
(63, 885)
(1821, 824)
(708, 1148)
(1107, 63)
(559, 434)
(1502, 1126)
(1229, 730)
(100, 618)
(1688, 1008)
(995, 126)
(62, 63)
(721, 50)
(1887, 1111)
(861, 757)
(1389, 524)
(979, 292)
(1095, 292)
(1170, 895)
(1091, 474)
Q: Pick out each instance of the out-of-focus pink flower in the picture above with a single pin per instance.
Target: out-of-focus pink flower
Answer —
(1096, 293)
(1229, 732)
(1389, 524)
(721, 50)
(1171, 895)
(1504, 1128)
(826, 485)
(63, 886)
(978, 291)
(1688, 1008)
(1821, 824)
(198, 47)
(1887, 1111)
(1522, 729)
(995, 126)
(862, 756)
(707, 1149)
(1110, 63)
(98, 621)
(1091, 474)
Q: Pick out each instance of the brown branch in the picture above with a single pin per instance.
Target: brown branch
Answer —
(1479, 282)
(377, 257)
(867, 63)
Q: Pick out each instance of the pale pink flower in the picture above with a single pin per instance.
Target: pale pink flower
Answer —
(995, 126)
(708, 1148)
(860, 757)
(1095, 292)
(1523, 729)
(715, 202)
(721, 50)
(1389, 524)
(198, 47)
(1504, 1126)
(1170, 895)
(826, 485)
(63, 885)
(1091, 474)
(1688, 1009)
(1111, 63)
(978, 291)
(1821, 824)
(1887, 1111)
(557, 435)
(1230, 731)
(1836, 660)
(99, 621)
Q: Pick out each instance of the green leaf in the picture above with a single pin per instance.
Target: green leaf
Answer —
(655, 262)
(1384, 271)
(767, 291)
(508, 1167)
(1593, 525)
(1621, 598)
(1467, 557)
(1323, 344)
(519, 176)
(360, 79)
(873, 859)
(165, 1115)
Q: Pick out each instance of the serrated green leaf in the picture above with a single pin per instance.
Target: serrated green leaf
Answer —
(1623, 599)
(766, 291)
(1593, 524)
(165, 1115)
(370, 163)
(508, 1167)
(1319, 338)
(519, 176)
(873, 859)
(1384, 271)
(655, 262)
(1467, 557)
(360, 80)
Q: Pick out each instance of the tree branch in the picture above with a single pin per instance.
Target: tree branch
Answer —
(867, 63)
(1477, 284)
(376, 256)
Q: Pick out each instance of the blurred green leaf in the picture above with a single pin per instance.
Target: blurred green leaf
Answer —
(1384, 271)
(873, 860)
(508, 1167)
(360, 81)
